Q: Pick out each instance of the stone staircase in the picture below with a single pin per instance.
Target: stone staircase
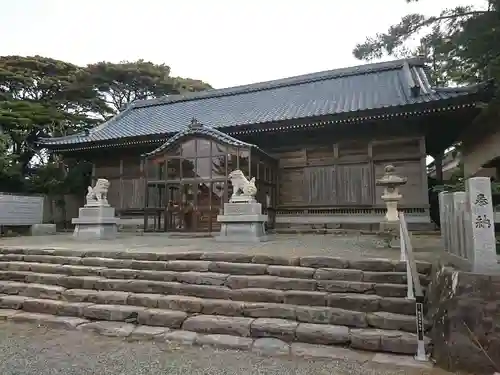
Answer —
(229, 299)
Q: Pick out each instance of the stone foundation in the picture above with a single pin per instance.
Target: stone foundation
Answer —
(242, 222)
(464, 309)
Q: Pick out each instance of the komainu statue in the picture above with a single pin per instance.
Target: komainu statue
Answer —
(242, 188)
(98, 195)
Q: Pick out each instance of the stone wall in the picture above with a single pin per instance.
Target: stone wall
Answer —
(464, 310)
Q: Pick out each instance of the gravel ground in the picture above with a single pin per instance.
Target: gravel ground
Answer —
(30, 350)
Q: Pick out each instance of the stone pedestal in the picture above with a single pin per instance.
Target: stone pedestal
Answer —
(242, 221)
(95, 223)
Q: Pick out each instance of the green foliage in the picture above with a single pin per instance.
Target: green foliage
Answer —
(124, 82)
(460, 44)
(55, 179)
(457, 183)
(44, 97)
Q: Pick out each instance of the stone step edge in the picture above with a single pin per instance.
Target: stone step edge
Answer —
(291, 272)
(260, 343)
(273, 273)
(349, 301)
(125, 303)
(329, 290)
(368, 264)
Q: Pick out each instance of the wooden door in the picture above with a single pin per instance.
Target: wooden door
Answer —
(320, 185)
(355, 184)
(173, 210)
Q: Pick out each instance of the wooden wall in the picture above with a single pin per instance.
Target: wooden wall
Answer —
(340, 174)
(343, 174)
(124, 173)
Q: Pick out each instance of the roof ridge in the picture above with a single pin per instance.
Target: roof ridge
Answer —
(283, 82)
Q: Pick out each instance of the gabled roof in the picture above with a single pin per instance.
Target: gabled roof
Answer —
(394, 84)
(197, 129)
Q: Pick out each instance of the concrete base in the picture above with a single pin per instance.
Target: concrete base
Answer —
(96, 223)
(242, 222)
(95, 232)
(43, 229)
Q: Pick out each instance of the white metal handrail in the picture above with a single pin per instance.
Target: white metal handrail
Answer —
(414, 287)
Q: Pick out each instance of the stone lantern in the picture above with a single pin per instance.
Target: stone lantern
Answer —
(389, 227)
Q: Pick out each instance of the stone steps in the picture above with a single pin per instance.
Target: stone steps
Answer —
(371, 339)
(142, 271)
(275, 274)
(52, 299)
(388, 272)
(62, 287)
(244, 288)
(166, 261)
(361, 301)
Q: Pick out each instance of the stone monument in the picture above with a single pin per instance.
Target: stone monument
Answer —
(242, 219)
(481, 226)
(96, 220)
(389, 226)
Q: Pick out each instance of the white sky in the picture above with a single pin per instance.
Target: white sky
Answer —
(223, 42)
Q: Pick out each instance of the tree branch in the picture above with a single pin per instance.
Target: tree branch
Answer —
(432, 20)
(407, 27)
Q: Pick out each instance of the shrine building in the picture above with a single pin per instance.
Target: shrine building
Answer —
(315, 143)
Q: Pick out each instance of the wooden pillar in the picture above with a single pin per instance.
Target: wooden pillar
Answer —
(144, 183)
(121, 185)
(438, 163)
(373, 189)
(93, 176)
(423, 166)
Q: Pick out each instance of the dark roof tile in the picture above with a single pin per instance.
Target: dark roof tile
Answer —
(366, 87)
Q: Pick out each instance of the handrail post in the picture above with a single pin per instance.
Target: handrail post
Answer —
(419, 306)
(413, 283)
(409, 279)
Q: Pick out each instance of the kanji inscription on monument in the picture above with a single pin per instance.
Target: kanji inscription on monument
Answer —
(482, 222)
(481, 200)
(482, 229)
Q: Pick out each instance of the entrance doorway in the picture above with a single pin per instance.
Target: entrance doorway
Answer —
(186, 206)
(187, 184)
(180, 210)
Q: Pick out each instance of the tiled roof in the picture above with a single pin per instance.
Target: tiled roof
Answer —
(196, 128)
(340, 91)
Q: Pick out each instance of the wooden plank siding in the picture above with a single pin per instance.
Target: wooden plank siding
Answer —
(320, 185)
(343, 174)
(337, 174)
(126, 191)
(355, 185)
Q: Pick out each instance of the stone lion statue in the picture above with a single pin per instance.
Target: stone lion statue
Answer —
(98, 195)
(241, 186)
